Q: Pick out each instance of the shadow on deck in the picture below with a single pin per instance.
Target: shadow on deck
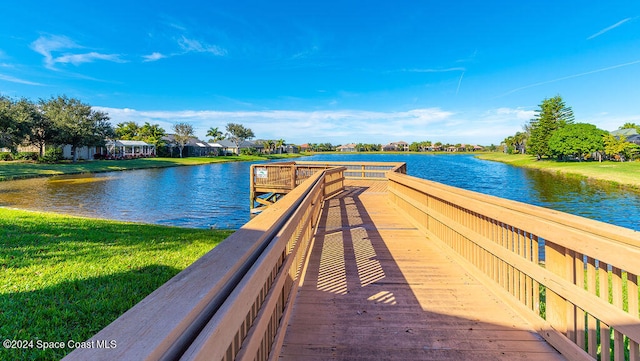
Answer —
(377, 288)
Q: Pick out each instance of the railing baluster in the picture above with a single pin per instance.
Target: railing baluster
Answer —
(536, 286)
(592, 343)
(632, 297)
(579, 269)
(605, 334)
(556, 308)
(616, 294)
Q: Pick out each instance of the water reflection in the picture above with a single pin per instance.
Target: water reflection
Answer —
(587, 198)
(217, 195)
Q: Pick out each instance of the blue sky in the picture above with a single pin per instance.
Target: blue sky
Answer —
(330, 71)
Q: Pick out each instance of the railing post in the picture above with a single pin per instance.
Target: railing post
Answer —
(293, 176)
(556, 308)
(252, 187)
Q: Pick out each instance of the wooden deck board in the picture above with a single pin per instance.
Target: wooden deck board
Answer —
(375, 289)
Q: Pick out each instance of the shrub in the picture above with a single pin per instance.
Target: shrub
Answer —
(6, 156)
(52, 155)
(249, 151)
(26, 156)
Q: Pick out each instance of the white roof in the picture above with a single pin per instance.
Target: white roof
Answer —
(128, 143)
(215, 145)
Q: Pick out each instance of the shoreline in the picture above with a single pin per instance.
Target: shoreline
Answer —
(623, 175)
(16, 170)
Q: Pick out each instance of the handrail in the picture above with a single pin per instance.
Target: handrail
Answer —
(271, 181)
(582, 264)
(246, 280)
(361, 170)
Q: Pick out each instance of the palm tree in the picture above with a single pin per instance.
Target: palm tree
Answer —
(268, 144)
(279, 144)
(215, 134)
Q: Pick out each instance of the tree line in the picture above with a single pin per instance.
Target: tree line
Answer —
(58, 120)
(61, 120)
(554, 134)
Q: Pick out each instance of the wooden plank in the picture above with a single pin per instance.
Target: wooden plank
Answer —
(396, 297)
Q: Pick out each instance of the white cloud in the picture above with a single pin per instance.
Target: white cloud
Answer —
(77, 59)
(12, 79)
(608, 28)
(192, 45)
(518, 113)
(154, 57)
(343, 126)
(48, 46)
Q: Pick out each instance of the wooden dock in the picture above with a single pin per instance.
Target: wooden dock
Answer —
(360, 261)
(376, 288)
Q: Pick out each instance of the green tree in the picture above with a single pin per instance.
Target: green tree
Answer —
(268, 145)
(553, 114)
(41, 129)
(516, 143)
(77, 124)
(237, 133)
(152, 134)
(579, 140)
(215, 134)
(630, 125)
(14, 128)
(128, 131)
(279, 144)
(183, 132)
(618, 148)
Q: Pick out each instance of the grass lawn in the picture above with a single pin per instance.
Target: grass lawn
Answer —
(65, 278)
(20, 169)
(625, 173)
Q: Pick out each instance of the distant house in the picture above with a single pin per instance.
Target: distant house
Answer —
(229, 147)
(347, 148)
(626, 132)
(630, 134)
(305, 147)
(119, 149)
(193, 148)
(634, 138)
(84, 153)
(464, 148)
(400, 146)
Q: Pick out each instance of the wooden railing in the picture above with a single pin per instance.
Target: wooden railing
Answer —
(230, 304)
(271, 181)
(575, 279)
(362, 170)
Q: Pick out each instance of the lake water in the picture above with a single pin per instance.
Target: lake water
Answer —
(217, 195)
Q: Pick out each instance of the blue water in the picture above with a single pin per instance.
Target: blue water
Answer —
(596, 201)
(217, 195)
